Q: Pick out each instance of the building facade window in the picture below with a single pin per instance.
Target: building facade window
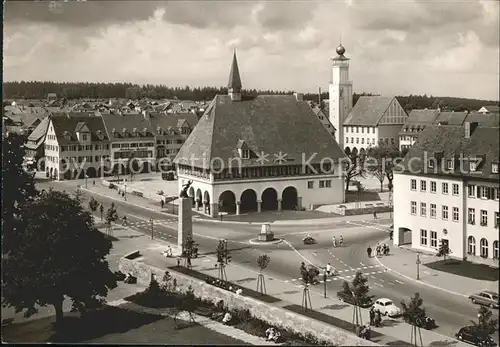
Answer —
(445, 212)
(495, 249)
(433, 186)
(423, 186)
(471, 245)
(433, 210)
(484, 248)
(484, 192)
(494, 168)
(456, 190)
(472, 191)
(423, 209)
(414, 208)
(413, 184)
(497, 220)
(456, 214)
(423, 237)
(434, 240)
(328, 183)
(310, 184)
(471, 216)
(449, 165)
(444, 188)
(484, 218)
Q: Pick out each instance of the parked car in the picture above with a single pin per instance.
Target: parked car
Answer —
(168, 176)
(471, 335)
(487, 298)
(348, 298)
(387, 307)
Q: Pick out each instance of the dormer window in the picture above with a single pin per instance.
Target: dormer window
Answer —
(134, 132)
(159, 131)
(84, 137)
(145, 131)
(473, 165)
(100, 135)
(67, 136)
(430, 164)
(124, 132)
(450, 165)
(245, 154)
(494, 168)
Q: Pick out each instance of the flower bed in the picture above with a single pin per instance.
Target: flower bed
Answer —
(168, 295)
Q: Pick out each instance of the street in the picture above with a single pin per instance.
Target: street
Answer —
(451, 312)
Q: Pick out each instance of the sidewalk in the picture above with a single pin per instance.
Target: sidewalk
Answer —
(403, 262)
(329, 310)
(266, 217)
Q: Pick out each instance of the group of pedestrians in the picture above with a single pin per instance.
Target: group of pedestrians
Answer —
(379, 250)
(375, 317)
(339, 243)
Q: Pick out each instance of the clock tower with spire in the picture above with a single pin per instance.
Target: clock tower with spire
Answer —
(340, 94)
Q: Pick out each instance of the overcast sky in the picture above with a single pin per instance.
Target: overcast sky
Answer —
(443, 48)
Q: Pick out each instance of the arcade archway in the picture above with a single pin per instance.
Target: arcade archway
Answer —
(248, 201)
(227, 202)
(289, 198)
(269, 200)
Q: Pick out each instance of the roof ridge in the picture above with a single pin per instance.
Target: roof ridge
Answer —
(212, 111)
(383, 113)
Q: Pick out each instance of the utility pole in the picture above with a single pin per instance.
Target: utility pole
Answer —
(225, 251)
(152, 228)
(86, 177)
(324, 274)
(418, 262)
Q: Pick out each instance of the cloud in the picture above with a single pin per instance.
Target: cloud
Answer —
(394, 47)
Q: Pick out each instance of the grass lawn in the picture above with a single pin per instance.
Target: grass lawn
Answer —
(114, 325)
(465, 269)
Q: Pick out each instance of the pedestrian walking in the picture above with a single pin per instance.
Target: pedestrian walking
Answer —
(334, 241)
(378, 318)
(93, 182)
(372, 316)
(162, 203)
(391, 234)
(374, 215)
(221, 217)
(341, 241)
(101, 210)
(369, 251)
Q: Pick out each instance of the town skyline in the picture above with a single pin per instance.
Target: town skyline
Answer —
(280, 45)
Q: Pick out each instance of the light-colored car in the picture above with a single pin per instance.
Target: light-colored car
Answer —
(486, 297)
(387, 307)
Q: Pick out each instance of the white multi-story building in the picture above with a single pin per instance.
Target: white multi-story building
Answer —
(448, 192)
(75, 146)
(373, 120)
(415, 124)
(268, 152)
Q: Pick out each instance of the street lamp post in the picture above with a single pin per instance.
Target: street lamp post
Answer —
(86, 177)
(390, 204)
(418, 262)
(152, 228)
(125, 191)
(324, 281)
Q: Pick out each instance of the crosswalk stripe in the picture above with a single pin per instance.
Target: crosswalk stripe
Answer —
(399, 282)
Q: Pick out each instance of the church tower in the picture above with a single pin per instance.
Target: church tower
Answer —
(340, 94)
(234, 84)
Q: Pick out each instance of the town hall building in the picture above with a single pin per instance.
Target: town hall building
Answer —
(251, 154)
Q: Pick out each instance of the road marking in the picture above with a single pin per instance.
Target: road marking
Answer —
(294, 279)
(367, 226)
(315, 254)
(206, 260)
(287, 281)
(362, 264)
(312, 232)
(391, 283)
(378, 284)
(321, 281)
(300, 254)
(399, 282)
(381, 280)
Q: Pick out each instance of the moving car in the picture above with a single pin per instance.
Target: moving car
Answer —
(471, 335)
(387, 307)
(348, 298)
(486, 297)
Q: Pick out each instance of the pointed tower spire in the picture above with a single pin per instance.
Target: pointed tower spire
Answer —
(234, 84)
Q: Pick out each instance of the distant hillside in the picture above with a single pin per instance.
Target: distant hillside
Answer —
(39, 90)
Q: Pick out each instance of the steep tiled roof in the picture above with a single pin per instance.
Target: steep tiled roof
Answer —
(487, 120)
(128, 122)
(40, 130)
(68, 124)
(427, 116)
(450, 118)
(451, 142)
(171, 120)
(368, 110)
(267, 123)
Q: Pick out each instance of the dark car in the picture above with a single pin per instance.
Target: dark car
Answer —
(471, 335)
(348, 298)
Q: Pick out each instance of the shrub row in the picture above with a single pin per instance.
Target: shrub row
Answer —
(168, 295)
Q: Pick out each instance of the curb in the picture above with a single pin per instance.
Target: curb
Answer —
(265, 243)
(420, 281)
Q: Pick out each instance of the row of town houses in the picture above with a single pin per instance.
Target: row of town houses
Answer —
(72, 145)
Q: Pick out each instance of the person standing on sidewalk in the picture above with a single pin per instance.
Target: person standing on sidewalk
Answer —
(162, 203)
(369, 251)
(374, 214)
(372, 316)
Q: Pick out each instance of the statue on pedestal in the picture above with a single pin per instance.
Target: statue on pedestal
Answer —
(185, 187)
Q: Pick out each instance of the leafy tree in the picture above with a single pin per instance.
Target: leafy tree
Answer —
(263, 261)
(485, 322)
(59, 253)
(354, 167)
(78, 195)
(381, 163)
(361, 289)
(222, 252)
(188, 303)
(413, 312)
(189, 247)
(309, 275)
(444, 249)
(19, 190)
(346, 289)
(93, 204)
(111, 216)
(132, 166)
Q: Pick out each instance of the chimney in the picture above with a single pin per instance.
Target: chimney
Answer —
(299, 96)
(470, 127)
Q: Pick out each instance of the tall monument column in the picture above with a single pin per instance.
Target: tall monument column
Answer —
(340, 94)
(185, 220)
